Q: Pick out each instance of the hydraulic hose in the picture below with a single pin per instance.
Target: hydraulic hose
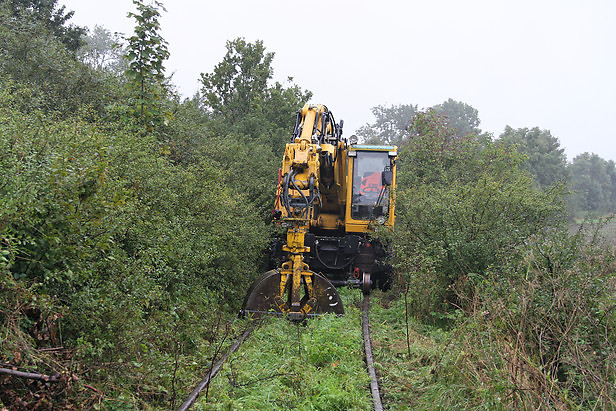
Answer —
(285, 191)
(305, 210)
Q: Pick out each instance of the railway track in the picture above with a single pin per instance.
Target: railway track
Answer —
(213, 371)
(374, 383)
(369, 359)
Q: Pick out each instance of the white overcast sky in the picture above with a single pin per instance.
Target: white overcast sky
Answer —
(524, 63)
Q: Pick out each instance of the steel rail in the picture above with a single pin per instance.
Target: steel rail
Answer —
(213, 371)
(374, 384)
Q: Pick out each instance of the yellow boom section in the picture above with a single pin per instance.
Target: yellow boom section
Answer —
(293, 289)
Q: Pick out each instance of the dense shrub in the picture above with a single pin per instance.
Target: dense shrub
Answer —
(530, 306)
(541, 332)
(553, 303)
(104, 238)
(462, 205)
(32, 55)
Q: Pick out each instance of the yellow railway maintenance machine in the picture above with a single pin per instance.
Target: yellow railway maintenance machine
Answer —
(331, 194)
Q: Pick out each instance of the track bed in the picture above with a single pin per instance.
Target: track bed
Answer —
(284, 365)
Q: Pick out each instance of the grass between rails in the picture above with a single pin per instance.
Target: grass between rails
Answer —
(319, 365)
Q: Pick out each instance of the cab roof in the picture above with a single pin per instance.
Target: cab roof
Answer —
(372, 148)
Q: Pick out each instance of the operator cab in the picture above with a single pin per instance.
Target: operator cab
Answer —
(372, 178)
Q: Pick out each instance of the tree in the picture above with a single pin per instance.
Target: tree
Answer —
(239, 80)
(243, 102)
(593, 185)
(463, 203)
(146, 52)
(545, 159)
(390, 126)
(102, 50)
(101, 233)
(32, 56)
(461, 116)
(54, 19)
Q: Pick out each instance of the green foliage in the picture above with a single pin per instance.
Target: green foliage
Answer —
(248, 166)
(127, 237)
(391, 125)
(244, 122)
(146, 52)
(460, 116)
(106, 232)
(544, 158)
(56, 196)
(56, 80)
(540, 334)
(239, 80)
(462, 205)
(189, 132)
(53, 19)
(250, 170)
(534, 323)
(593, 185)
(243, 103)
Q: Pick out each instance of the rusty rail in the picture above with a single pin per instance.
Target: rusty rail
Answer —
(374, 383)
(213, 371)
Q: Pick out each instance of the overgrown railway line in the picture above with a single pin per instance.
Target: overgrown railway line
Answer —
(194, 394)
(368, 356)
(374, 383)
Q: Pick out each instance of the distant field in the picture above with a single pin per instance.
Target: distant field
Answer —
(607, 229)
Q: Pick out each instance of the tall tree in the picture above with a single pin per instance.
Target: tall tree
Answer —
(103, 50)
(146, 52)
(390, 126)
(32, 55)
(461, 116)
(546, 160)
(239, 80)
(462, 203)
(243, 101)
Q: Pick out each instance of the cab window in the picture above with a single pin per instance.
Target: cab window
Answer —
(370, 198)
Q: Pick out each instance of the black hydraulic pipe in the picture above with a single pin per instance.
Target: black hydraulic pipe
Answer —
(297, 124)
(285, 192)
(305, 210)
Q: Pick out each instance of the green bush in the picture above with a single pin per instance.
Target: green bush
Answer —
(462, 205)
(104, 237)
(31, 55)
